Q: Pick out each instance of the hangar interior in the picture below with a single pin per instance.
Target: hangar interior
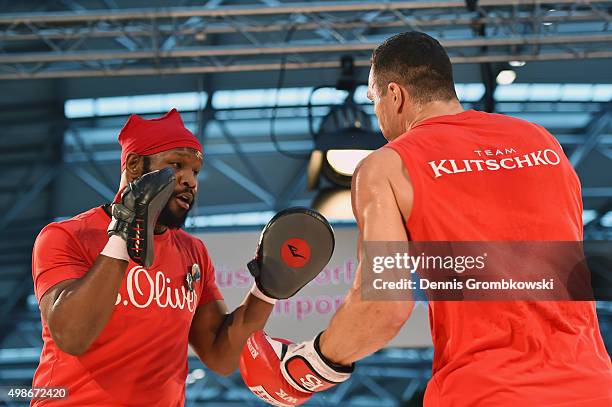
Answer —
(260, 82)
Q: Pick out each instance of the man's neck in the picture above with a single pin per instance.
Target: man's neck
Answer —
(159, 229)
(434, 109)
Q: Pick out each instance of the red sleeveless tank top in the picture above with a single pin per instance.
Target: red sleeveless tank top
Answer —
(488, 177)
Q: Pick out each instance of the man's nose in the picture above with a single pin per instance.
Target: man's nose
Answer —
(188, 179)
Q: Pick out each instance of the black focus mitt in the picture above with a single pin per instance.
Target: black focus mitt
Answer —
(293, 249)
(135, 216)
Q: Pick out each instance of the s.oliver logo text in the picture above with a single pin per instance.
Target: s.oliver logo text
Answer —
(144, 290)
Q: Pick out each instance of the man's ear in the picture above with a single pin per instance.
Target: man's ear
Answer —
(134, 166)
(398, 95)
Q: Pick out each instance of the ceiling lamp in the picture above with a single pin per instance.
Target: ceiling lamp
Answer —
(345, 136)
(506, 77)
(344, 162)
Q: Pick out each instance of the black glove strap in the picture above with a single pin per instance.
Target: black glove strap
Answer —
(337, 367)
(122, 218)
(120, 229)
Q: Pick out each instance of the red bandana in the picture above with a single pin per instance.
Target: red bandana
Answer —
(146, 137)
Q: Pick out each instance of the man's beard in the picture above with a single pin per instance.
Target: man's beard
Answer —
(170, 219)
(166, 217)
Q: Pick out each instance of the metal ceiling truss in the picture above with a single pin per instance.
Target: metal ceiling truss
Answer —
(595, 131)
(218, 39)
(596, 136)
(86, 164)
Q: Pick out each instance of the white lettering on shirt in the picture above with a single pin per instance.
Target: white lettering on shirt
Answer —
(156, 291)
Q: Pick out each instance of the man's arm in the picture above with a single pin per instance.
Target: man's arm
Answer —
(382, 199)
(77, 310)
(218, 337)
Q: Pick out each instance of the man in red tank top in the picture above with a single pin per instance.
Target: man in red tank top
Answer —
(116, 330)
(454, 175)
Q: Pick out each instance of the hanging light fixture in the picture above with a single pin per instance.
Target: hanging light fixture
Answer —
(344, 137)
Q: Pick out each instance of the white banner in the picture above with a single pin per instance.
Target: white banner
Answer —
(309, 311)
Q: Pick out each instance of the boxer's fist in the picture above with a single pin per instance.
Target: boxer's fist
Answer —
(287, 374)
(293, 249)
(260, 369)
(135, 216)
(306, 369)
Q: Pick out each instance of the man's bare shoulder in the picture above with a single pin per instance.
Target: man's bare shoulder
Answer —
(380, 164)
(382, 170)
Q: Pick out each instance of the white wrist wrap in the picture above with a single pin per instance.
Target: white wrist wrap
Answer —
(116, 248)
(315, 374)
(257, 293)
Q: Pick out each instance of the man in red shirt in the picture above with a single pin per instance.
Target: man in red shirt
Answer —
(116, 333)
(454, 175)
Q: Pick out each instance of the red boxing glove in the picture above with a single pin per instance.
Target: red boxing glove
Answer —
(260, 370)
(306, 369)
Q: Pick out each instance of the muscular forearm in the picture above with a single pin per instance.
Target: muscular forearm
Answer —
(360, 328)
(80, 310)
(249, 317)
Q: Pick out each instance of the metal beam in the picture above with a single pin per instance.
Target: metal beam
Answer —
(412, 387)
(237, 177)
(605, 151)
(244, 158)
(85, 149)
(92, 182)
(595, 130)
(210, 151)
(219, 28)
(178, 70)
(227, 51)
(597, 192)
(24, 200)
(21, 291)
(293, 8)
(355, 27)
(296, 184)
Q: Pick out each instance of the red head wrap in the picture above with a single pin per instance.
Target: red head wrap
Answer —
(146, 137)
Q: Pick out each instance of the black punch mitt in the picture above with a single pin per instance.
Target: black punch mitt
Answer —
(293, 249)
(135, 216)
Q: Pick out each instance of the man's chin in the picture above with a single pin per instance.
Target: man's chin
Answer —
(172, 219)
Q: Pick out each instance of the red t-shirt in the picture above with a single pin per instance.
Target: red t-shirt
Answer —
(488, 177)
(140, 358)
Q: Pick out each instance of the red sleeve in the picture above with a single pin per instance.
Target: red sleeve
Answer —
(210, 291)
(56, 257)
